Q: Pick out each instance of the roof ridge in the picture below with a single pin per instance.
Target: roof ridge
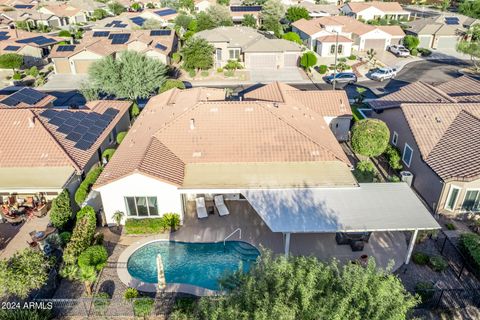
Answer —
(439, 91)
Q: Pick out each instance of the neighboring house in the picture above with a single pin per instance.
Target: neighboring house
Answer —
(135, 20)
(320, 35)
(87, 6)
(95, 45)
(274, 154)
(320, 10)
(252, 48)
(436, 130)
(34, 47)
(238, 12)
(202, 5)
(441, 32)
(45, 150)
(34, 18)
(375, 10)
(68, 14)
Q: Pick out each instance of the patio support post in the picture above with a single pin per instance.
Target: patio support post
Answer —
(411, 245)
(286, 239)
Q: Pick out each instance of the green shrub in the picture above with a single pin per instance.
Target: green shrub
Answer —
(393, 157)
(192, 73)
(94, 256)
(130, 293)
(134, 110)
(88, 212)
(26, 314)
(352, 57)
(414, 52)
(143, 307)
(411, 42)
(425, 290)
(82, 235)
(147, 225)
(171, 220)
(229, 73)
(65, 237)
(64, 34)
(450, 226)
(172, 83)
(33, 71)
(342, 60)
(393, 179)
(420, 258)
(121, 136)
(219, 70)
(365, 171)
(308, 59)
(370, 137)
(176, 57)
(108, 153)
(204, 73)
(470, 246)
(61, 210)
(322, 69)
(84, 188)
(438, 263)
(17, 76)
(424, 52)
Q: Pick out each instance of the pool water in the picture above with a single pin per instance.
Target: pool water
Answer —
(199, 264)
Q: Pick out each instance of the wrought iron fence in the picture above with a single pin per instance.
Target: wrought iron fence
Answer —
(449, 298)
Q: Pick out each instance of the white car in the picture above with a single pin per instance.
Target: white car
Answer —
(399, 51)
(383, 74)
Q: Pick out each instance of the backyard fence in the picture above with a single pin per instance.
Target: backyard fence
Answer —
(435, 299)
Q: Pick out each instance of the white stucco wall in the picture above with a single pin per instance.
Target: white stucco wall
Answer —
(137, 184)
(323, 49)
(375, 34)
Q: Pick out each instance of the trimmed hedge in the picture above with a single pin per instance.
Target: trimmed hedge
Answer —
(470, 246)
(152, 225)
(420, 258)
(121, 136)
(425, 290)
(438, 263)
(95, 256)
(61, 210)
(393, 157)
(322, 69)
(84, 188)
(82, 236)
(108, 153)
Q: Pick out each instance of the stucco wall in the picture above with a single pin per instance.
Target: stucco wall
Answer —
(324, 49)
(464, 187)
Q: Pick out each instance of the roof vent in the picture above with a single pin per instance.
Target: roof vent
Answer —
(192, 124)
(438, 120)
(31, 122)
(197, 154)
(275, 104)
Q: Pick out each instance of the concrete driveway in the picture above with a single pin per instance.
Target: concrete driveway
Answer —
(288, 75)
(63, 82)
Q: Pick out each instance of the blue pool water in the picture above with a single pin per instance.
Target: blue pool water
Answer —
(199, 264)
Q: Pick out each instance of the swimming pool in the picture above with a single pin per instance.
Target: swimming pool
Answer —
(198, 264)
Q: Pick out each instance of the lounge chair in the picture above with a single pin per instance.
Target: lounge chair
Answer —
(201, 208)
(220, 204)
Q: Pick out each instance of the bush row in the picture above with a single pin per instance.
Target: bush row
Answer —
(84, 188)
(169, 221)
(437, 263)
(470, 245)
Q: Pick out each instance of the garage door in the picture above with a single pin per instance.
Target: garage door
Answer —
(376, 44)
(425, 42)
(62, 66)
(447, 42)
(290, 60)
(81, 66)
(262, 61)
(396, 41)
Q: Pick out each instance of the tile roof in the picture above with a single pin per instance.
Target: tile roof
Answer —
(462, 89)
(20, 38)
(334, 38)
(382, 6)
(236, 36)
(446, 135)
(182, 126)
(62, 10)
(395, 31)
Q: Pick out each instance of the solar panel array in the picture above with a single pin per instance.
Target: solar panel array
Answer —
(11, 48)
(160, 46)
(101, 34)
(245, 8)
(40, 40)
(26, 95)
(65, 48)
(138, 21)
(82, 128)
(119, 38)
(452, 20)
(164, 32)
(116, 24)
(23, 6)
(4, 35)
(165, 12)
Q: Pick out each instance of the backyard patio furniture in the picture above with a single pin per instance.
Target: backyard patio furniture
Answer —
(41, 210)
(220, 204)
(39, 236)
(357, 245)
(346, 237)
(201, 209)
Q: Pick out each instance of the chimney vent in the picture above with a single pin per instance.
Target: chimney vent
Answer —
(275, 104)
(192, 124)
(31, 122)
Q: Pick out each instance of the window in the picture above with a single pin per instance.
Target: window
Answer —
(141, 206)
(340, 48)
(452, 198)
(332, 49)
(234, 54)
(471, 201)
(407, 155)
(394, 138)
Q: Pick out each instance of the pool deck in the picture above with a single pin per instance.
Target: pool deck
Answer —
(388, 248)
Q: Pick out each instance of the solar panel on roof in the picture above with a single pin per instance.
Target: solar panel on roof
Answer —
(11, 48)
(90, 137)
(111, 112)
(64, 115)
(101, 34)
(451, 20)
(40, 40)
(83, 145)
(66, 48)
(3, 33)
(165, 12)
(245, 8)
(120, 38)
(160, 46)
(80, 129)
(25, 95)
(66, 129)
(49, 113)
(4, 37)
(73, 136)
(72, 122)
(23, 6)
(138, 20)
(164, 32)
(56, 121)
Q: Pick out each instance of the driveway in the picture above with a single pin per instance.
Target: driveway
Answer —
(63, 82)
(287, 75)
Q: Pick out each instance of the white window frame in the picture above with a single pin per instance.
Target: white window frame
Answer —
(411, 155)
(465, 196)
(452, 187)
(136, 207)
(395, 138)
(235, 50)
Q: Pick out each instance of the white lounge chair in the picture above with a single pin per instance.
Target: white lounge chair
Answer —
(220, 204)
(201, 208)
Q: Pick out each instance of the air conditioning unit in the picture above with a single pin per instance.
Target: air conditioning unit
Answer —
(407, 176)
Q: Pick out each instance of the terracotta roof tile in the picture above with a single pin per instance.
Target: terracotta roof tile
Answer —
(463, 89)
(333, 38)
(383, 6)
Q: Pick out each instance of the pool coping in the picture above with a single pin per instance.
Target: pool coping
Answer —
(127, 279)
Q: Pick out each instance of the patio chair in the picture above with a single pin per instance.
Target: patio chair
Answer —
(220, 204)
(201, 208)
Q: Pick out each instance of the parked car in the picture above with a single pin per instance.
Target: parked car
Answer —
(383, 74)
(342, 77)
(399, 51)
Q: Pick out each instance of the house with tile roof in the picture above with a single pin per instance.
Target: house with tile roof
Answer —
(34, 18)
(68, 14)
(437, 130)
(45, 149)
(95, 45)
(375, 10)
(250, 47)
(321, 35)
(135, 20)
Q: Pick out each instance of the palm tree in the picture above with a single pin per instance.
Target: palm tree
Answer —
(69, 272)
(118, 217)
(88, 275)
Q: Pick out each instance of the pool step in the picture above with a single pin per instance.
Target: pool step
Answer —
(246, 254)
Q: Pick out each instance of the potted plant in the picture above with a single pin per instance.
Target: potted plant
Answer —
(118, 217)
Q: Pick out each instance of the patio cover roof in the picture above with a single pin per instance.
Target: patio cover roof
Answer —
(370, 207)
(40, 179)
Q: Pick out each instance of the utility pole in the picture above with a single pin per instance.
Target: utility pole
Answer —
(335, 69)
